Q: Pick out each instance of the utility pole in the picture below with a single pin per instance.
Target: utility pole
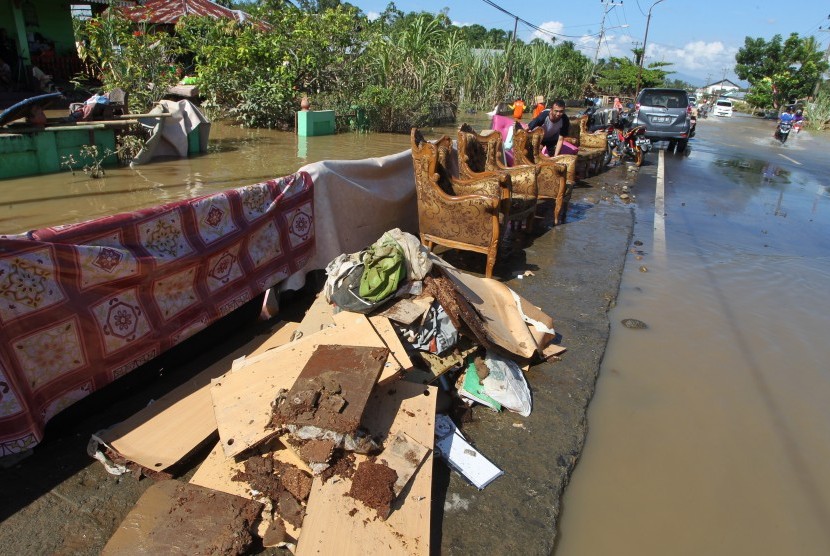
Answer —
(826, 56)
(607, 8)
(507, 72)
(645, 41)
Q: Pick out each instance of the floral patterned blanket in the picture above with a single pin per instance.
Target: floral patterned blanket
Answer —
(84, 304)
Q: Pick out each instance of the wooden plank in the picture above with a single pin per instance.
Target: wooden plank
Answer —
(406, 311)
(278, 338)
(242, 398)
(338, 524)
(217, 472)
(173, 517)
(167, 430)
(390, 338)
(319, 316)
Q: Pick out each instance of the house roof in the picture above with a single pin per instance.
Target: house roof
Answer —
(170, 11)
(721, 83)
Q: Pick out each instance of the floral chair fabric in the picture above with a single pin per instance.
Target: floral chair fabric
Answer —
(592, 146)
(557, 174)
(478, 153)
(456, 212)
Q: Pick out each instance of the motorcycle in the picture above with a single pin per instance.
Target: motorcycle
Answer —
(783, 131)
(627, 143)
(797, 124)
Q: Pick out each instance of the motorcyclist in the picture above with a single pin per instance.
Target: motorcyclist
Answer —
(798, 120)
(786, 116)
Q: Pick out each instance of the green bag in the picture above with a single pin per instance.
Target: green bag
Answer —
(384, 268)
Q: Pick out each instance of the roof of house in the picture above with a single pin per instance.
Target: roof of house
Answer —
(170, 11)
(722, 83)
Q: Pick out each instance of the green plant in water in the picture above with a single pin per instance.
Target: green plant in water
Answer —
(92, 159)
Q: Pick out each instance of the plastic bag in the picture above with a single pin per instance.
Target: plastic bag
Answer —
(507, 385)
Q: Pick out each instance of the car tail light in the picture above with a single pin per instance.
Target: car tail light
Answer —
(689, 109)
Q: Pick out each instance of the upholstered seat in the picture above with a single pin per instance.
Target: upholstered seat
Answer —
(479, 153)
(592, 147)
(459, 213)
(557, 174)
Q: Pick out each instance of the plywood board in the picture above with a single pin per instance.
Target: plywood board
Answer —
(339, 524)
(280, 337)
(217, 472)
(406, 311)
(242, 398)
(167, 430)
(176, 517)
(405, 456)
(390, 338)
(319, 316)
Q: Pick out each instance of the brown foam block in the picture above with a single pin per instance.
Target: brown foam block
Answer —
(172, 516)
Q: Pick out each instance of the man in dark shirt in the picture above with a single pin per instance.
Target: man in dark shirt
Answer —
(556, 125)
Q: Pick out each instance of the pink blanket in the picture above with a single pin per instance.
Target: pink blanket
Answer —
(84, 304)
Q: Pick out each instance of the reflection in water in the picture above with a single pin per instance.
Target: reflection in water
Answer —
(708, 430)
(236, 156)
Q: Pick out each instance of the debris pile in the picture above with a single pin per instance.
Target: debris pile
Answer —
(330, 424)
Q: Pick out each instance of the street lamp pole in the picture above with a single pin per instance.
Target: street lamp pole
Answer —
(643, 56)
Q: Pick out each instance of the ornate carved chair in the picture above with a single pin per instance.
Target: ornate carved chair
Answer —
(557, 175)
(478, 153)
(592, 146)
(456, 212)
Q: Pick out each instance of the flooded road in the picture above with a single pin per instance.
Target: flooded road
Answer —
(708, 432)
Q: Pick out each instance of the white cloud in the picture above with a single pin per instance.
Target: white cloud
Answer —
(371, 16)
(549, 26)
(698, 57)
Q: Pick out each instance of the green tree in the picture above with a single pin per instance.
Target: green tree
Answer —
(780, 71)
(620, 76)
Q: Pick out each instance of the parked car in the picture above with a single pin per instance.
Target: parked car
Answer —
(665, 113)
(723, 107)
(693, 100)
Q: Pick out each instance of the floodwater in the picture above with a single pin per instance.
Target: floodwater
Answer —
(709, 432)
(236, 156)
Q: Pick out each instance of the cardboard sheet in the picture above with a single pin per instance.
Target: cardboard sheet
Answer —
(499, 306)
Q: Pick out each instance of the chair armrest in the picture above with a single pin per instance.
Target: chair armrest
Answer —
(492, 184)
(594, 141)
(523, 179)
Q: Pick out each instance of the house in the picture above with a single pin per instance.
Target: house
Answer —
(718, 88)
(167, 13)
(39, 33)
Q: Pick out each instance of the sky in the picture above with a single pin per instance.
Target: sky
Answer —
(699, 38)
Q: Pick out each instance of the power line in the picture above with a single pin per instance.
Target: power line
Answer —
(534, 26)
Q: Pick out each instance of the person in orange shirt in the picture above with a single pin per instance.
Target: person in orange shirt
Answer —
(518, 107)
(540, 106)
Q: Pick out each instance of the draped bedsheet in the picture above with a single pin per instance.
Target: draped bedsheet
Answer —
(84, 304)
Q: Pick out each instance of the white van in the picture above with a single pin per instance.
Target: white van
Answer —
(723, 107)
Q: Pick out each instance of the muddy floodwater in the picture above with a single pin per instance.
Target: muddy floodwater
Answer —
(236, 156)
(709, 432)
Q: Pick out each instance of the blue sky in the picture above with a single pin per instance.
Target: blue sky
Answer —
(699, 38)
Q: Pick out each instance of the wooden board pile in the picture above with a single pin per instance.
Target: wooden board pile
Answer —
(326, 429)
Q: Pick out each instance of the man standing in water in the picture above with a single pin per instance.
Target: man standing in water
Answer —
(556, 125)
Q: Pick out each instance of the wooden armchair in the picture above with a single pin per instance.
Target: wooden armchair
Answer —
(456, 212)
(557, 175)
(479, 153)
(592, 146)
